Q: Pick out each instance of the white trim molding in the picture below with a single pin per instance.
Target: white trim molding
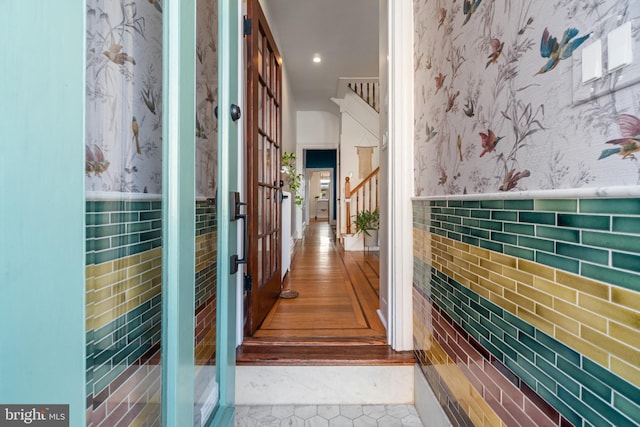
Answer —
(621, 191)
(400, 176)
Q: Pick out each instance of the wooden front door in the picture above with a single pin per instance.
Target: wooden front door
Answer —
(263, 169)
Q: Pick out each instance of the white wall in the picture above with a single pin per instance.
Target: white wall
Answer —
(318, 129)
(359, 127)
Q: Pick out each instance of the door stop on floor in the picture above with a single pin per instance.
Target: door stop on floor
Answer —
(288, 294)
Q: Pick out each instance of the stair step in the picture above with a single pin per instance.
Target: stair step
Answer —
(322, 355)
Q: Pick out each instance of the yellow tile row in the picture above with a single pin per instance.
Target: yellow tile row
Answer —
(117, 287)
(597, 319)
(206, 250)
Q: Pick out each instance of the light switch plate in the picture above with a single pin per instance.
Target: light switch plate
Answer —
(611, 81)
(619, 44)
(592, 61)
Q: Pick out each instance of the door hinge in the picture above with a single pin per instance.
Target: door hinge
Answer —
(247, 25)
(247, 283)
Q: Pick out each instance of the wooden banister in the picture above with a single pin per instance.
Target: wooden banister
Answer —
(367, 190)
(366, 180)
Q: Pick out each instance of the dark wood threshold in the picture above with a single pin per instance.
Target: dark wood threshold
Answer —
(322, 355)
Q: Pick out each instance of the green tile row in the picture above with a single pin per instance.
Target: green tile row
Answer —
(119, 344)
(205, 284)
(597, 238)
(117, 234)
(206, 219)
(541, 361)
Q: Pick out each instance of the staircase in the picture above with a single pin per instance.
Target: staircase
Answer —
(369, 92)
(363, 197)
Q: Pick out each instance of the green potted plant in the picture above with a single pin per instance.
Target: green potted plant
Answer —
(292, 177)
(368, 222)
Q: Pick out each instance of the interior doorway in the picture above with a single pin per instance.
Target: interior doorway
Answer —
(320, 185)
(319, 195)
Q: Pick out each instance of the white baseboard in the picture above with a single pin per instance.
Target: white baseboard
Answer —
(355, 242)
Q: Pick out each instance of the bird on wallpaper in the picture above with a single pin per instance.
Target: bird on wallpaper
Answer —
(489, 141)
(117, 57)
(451, 100)
(439, 81)
(459, 145)
(200, 129)
(469, 108)
(157, 4)
(469, 7)
(94, 160)
(556, 51)
(630, 141)
(134, 128)
(443, 16)
(443, 177)
(209, 97)
(431, 133)
(496, 46)
(511, 179)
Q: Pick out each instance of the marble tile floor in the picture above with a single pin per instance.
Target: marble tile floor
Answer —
(327, 416)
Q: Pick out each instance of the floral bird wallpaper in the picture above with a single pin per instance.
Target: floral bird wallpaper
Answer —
(494, 108)
(124, 97)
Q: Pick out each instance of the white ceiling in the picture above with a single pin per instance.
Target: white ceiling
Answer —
(343, 32)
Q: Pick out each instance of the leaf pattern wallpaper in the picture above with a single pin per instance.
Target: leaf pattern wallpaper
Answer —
(494, 108)
(124, 97)
(206, 98)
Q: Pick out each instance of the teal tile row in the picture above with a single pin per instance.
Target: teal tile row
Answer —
(578, 388)
(205, 284)
(206, 219)
(595, 238)
(117, 229)
(114, 347)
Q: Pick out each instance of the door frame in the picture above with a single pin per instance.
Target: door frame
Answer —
(179, 103)
(396, 246)
(307, 202)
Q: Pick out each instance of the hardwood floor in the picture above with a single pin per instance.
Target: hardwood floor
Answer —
(334, 320)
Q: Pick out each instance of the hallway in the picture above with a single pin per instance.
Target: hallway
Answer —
(336, 307)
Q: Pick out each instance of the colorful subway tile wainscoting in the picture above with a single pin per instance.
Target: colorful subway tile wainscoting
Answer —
(527, 311)
(124, 311)
(124, 304)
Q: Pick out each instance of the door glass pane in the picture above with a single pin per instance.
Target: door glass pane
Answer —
(260, 263)
(123, 164)
(261, 107)
(205, 383)
(260, 55)
(267, 61)
(276, 250)
(260, 159)
(267, 157)
(260, 210)
(267, 256)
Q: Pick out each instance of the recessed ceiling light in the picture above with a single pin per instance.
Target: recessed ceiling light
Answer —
(317, 59)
